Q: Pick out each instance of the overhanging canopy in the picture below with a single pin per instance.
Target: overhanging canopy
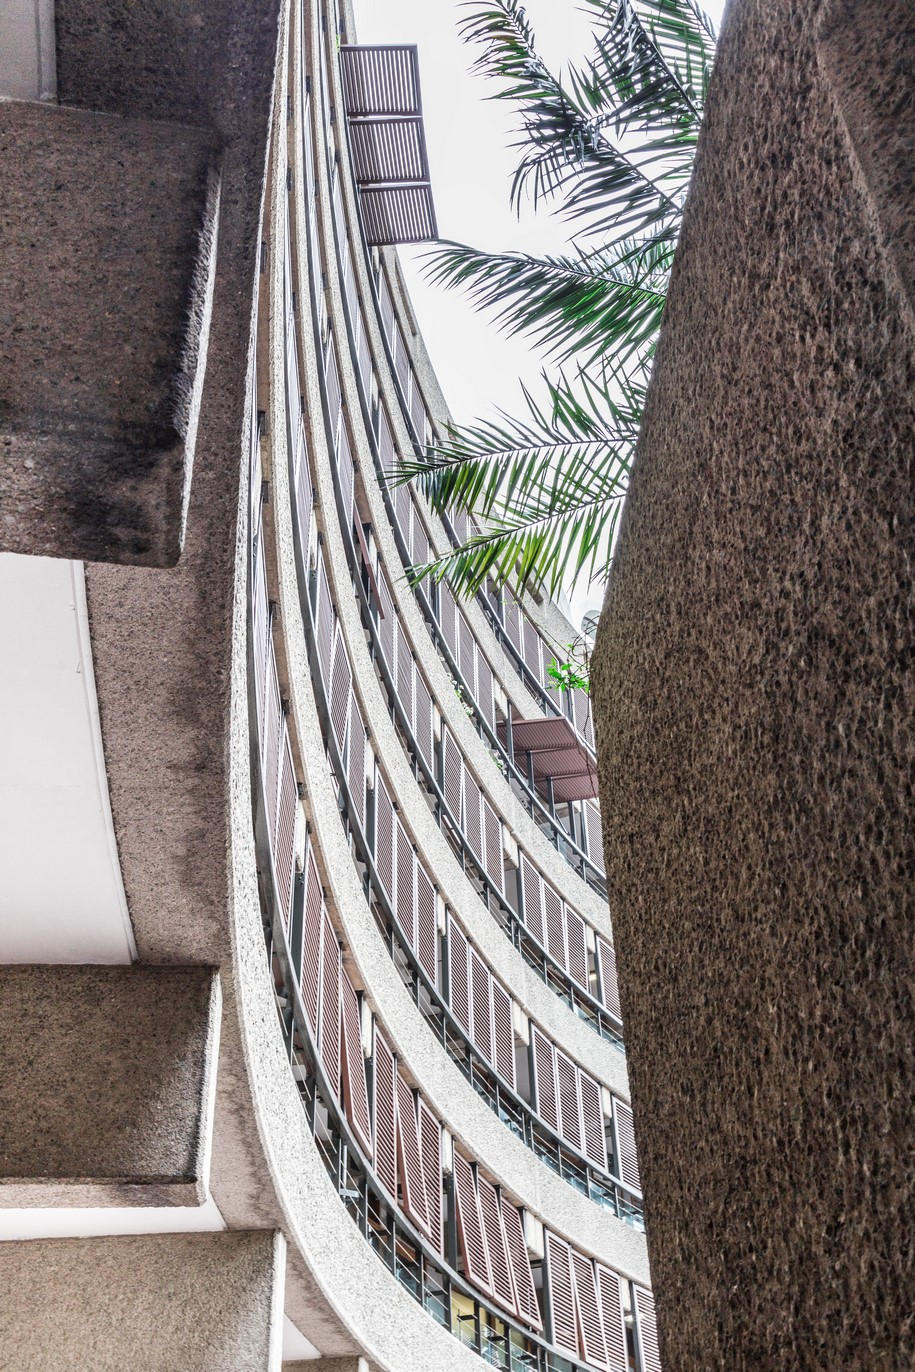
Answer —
(557, 754)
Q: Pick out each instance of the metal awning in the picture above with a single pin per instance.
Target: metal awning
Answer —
(557, 754)
(387, 142)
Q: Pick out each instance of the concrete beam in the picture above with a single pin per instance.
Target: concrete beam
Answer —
(153, 1303)
(106, 1093)
(108, 242)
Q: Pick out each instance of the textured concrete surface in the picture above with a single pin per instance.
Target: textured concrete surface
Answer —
(154, 1303)
(107, 235)
(105, 1094)
(754, 710)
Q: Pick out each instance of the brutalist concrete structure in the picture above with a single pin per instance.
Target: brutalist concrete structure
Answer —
(754, 712)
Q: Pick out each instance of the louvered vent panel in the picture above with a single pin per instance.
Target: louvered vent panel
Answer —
(386, 623)
(503, 1033)
(470, 1227)
(422, 720)
(531, 647)
(577, 949)
(403, 510)
(467, 655)
(385, 1132)
(590, 1326)
(340, 681)
(525, 1291)
(384, 836)
(625, 1145)
(447, 617)
(562, 1300)
(544, 1078)
(417, 410)
(324, 621)
(485, 690)
(426, 935)
(413, 1183)
(385, 442)
(481, 1004)
(609, 987)
(594, 834)
(330, 1005)
(648, 1330)
(406, 887)
(405, 675)
(459, 976)
(595, 1142)
(355, 760)
(473, 823)
(554, 920)
(492, 835)
(355, 1092)
(311, 956)
(453, 777)
(533, 899)
(569, 1109)
(608, 1285)
(430, 1142)
(502, 1285)
(284, 842)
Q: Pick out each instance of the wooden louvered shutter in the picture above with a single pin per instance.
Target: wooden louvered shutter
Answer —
(355, 1093)
(385, 442)
(385, 1128)
(311, 943)
(340, 682)
(553, 918)
(481, 1004)
(406, 885)
(500, 1267)
(417, 409)
(403, 509)
(430, 1142)
(609, 987)
(447, 617)
(569, 1107)
(532, 893)
(504, 1033)
(544, 1078)
(595, 1140)
(485, 690)
(594, 834)
(453, 776)
(611, 1306)
(384, 836)
(531, 641)
(492, 834)
(525, 1291)
(626, 1159)
(512, 620)
(426, 931)
(473, 828)
(471, 1233)
(405, 675)
(324, 621)
(459, 976)
(386, 622)
(330, 1005)
(355, 761)
(412, 1181)
(467, 655)
(587, 1306)
(562, 1298)
(647, 1325)
(420, 540)
(422, 723)
(578, 949)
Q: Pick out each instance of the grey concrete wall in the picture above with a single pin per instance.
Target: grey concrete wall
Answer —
(754, 711)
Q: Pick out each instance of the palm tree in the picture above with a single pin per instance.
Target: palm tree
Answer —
(612, 148)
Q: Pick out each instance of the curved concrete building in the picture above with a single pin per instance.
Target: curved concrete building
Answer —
(314, 1048)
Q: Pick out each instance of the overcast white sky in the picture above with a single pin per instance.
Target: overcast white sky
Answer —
(471, 165)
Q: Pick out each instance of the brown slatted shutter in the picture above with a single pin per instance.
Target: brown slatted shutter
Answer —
(532, 892)
(330, 1005)
(609, 987)
(412, 1181)
(311, 950)
(545, 1094)
(384, 836)
(594, 835)
(340, 682)
(334, 401)
(284, 839)
(504, 1033)
(386, 622)
(611, 1306)
(405, 675)
(430, 1142)
(500, 1267)
(324, 621)
(406, 884)
(569, 1106)
(626, 1159)
(355, 761)
(553, 913)
(532, 644)
(481, 1004)
(453, 776)
(473, 827)
(355, 1093)
(578, 949)
(426, 930)
(512, 620)
(347, 477)
(525, 1291)
(467, 656)
(471, 1234)
(492, 834)
(587, 1307)
(459, 976)
(485, 690)
(447, 617)
(385, 1127)
(403, 509)
(595, 1141)
(422, 706)
(385, 442)
(647, 1326)
(562, 1298)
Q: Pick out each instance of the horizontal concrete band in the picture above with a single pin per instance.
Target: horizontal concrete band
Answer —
(151, 1302)
(105, 1094)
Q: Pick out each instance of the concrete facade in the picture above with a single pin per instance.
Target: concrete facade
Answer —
(754, 713)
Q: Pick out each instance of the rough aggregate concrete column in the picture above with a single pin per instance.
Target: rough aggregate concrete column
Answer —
(754, 706)
(151, 1303)
(107, 1084)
